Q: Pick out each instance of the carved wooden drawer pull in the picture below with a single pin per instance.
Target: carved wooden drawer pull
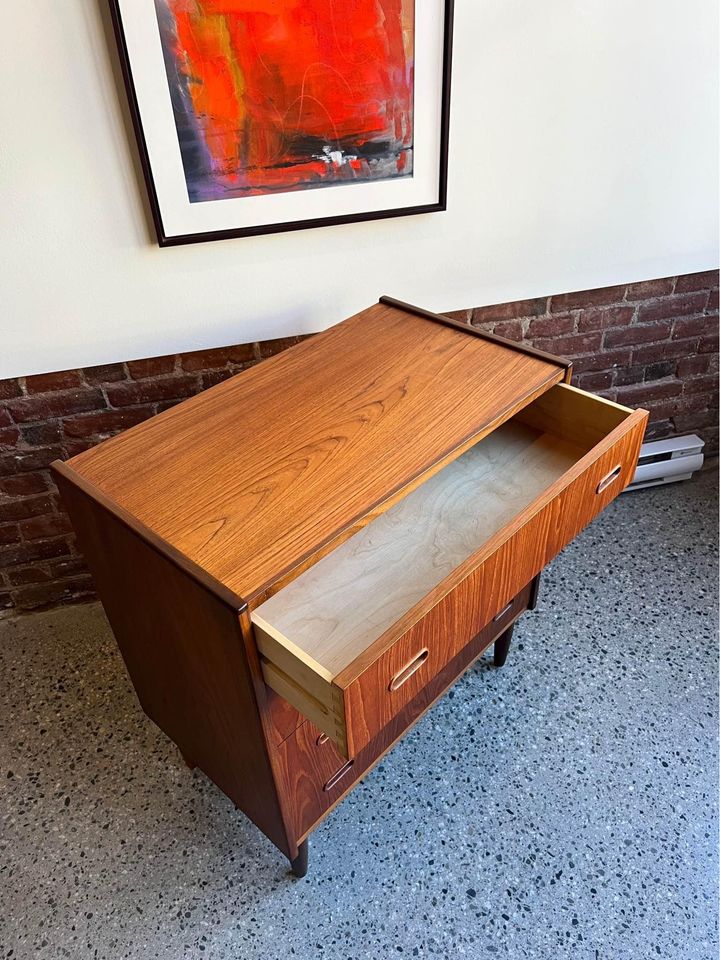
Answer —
(323, 738)
(609, 478)
(409, 669)
(338, 776)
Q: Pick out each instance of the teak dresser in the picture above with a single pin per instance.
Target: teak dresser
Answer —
(299, 561)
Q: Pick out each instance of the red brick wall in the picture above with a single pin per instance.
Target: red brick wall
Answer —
(651, 344)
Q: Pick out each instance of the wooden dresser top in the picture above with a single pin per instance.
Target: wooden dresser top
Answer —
(253, 476)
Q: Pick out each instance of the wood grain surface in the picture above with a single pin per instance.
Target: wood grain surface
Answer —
(576, 416)
(474, 467)
(450, 625)
(519, 345)
(252, 477)
(282, 717)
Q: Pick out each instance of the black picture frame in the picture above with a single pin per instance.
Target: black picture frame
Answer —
(179, 239)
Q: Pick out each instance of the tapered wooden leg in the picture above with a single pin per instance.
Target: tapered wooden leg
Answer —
(534, 590)
(299, 865)
(502, 646)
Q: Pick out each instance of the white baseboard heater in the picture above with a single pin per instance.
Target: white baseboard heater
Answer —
(665, 461)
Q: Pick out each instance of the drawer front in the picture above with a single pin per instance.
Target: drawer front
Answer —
(305, 763)
(282, 717)
(354, 716)
(396, 678)
(372, 696)
(314, 775)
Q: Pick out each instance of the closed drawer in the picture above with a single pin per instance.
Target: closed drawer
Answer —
(281, 717)
(353, 639)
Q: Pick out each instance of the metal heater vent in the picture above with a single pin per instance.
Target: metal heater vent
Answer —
(665, 461)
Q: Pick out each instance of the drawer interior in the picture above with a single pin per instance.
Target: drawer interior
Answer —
(318, 624)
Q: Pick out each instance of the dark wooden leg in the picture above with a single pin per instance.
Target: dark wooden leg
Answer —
(534, 590)
(300, 864)
(502, 646)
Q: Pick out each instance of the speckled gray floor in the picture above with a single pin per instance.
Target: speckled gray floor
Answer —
(563, 806)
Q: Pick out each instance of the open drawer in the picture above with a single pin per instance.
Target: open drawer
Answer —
(355, 637)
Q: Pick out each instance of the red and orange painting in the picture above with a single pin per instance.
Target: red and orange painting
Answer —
(276, 95)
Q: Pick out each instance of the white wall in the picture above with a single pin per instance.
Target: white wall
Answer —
(583, 153)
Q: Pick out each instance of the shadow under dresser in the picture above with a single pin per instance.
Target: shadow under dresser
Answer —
(297, 562)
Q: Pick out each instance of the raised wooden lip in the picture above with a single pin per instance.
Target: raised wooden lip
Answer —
(562, 362)
(354, 670)
(152, 539)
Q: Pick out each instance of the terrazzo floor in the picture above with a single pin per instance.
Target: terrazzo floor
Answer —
(563, 806)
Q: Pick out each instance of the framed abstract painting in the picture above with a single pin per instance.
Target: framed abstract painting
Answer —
(259, 116)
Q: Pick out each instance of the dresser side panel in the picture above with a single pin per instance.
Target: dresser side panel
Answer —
(183, 648)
